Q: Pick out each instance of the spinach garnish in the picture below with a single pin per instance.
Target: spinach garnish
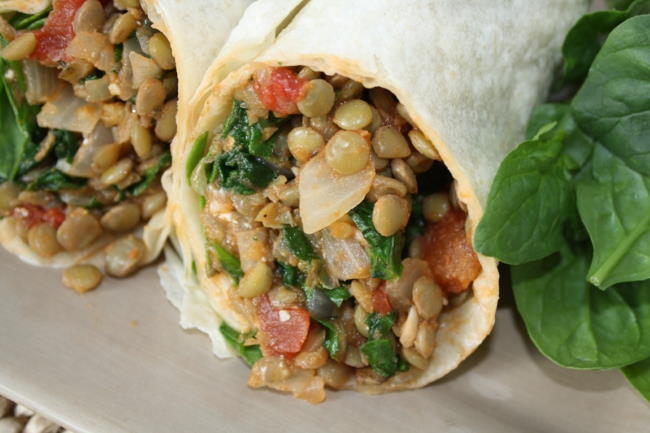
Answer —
(228, 261)
(66, 144)
(55, 180)
(250, 354)
(571, 205)
(150, 175)
(298, 243)
(250, 137)
(291, 275)
(380, 349)
(243, 172)
(385, 252)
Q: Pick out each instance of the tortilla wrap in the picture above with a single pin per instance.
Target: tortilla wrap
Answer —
(192, 51)
(468, 74)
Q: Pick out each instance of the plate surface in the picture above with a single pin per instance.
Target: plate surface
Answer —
(115, 361)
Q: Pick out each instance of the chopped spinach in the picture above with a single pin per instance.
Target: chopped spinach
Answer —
(195, 155)
(250, 354)
(228, 262)
(150, 175)
(249, 136)
(66, 144)
(385, 252)
(416, 222)
(35, 21)
(380, 348)
(95, 75)
(338, 295)
(243, 172)
(291, 275)
(55, 180)
(379, 325)
(298, 243)
(332, 337)
(119, 52)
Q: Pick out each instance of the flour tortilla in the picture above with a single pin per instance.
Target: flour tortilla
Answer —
(185, 25)
(468, 73)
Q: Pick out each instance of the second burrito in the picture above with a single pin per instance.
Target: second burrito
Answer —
(325, 205)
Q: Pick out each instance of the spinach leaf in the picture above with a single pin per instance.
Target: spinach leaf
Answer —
(66, 144)
(291, 276)
(332, 337)
(385, 252)
(338, 295)
(572, 322)
(229, 262)
(249, 136)
(379, 325)
(584, 40)
(150, 175)
(380, 350)
(612, 106)
(195, 155)
(250, 354)
(529, 202)
(298, 244)
(242, 172)
(417, 223)
(35, 21)
(638, 375)
(55, 180)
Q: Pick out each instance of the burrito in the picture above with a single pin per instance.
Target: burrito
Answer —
(91, 91)
(338, 163)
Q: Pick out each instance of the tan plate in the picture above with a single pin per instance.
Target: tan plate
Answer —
(116, 361)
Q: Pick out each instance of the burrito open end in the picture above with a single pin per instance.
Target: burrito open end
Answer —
(327, 204)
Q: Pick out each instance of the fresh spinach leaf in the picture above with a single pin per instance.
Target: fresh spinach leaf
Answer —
(229, 262)
(338, 295)
(30, 22)
(195, 155)
(55, 180)
(291, 275)
(298, 243)
(530, 200)
(66, 144)
(250, 354)
(585, 39)
(575, 324)
(242, 172)
(638, 375)
(332, 337)
(379, 325)
(150, 175)
(385, 252)
(381, 356)
(251, 137)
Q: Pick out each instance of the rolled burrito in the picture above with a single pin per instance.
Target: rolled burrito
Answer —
(325, 200)
(90, 95)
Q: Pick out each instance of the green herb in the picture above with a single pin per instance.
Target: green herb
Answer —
(150, 175)
(574, 323)
(639, 376)
(385, 252)
(332, 337)
(379, 325)
(249, 136)
(250, 354)
(22, 21)
(66, 144)
(95, 75)
(380, 350)
(338, 295)
(93, 203)
(119, 52)
(291, 276)
(229, 262)
(242, 172)
(55, 180)
(417, 223)
(298, 243)
(195, 155)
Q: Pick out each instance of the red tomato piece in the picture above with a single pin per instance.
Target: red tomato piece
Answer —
(284, 330)
(448, 250)
(380, 302)
(54, 217)
(32, 214)
(54, 37)
(279, 89)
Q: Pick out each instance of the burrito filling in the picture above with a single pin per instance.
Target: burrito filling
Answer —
(89, 106)
(340, 229)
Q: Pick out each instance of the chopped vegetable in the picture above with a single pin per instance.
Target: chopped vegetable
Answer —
(279, 89)
(379, 349)
(250, 136)
(380, 302)
(229, 262)
(150, 175)
(250, 354)
(298, 243)
(66, 144)
(195, 155)
(55, 180)
(291, 276)
(333, 335)
(385, 252)
(338, 295)
(56, 34)
(319, 305)
(285, 329)
(242, 172)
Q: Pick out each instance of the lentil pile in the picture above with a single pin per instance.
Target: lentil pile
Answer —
(339, 227)
(89, 109)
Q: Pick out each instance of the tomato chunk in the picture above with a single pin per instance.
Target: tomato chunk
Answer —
(284, 329)
(448, 250)
(56, 34)
(380, 302)
(279, 89)
(32, 214)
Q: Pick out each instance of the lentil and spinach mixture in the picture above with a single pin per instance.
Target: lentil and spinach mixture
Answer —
(339, 227)
(88, 107)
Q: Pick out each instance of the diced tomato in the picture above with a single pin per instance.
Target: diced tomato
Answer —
(284, 329)
(450, 254)
(33, 214)
(279, 89)
(380, 302)
(54, 37)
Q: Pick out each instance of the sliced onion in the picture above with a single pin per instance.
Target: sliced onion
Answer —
(346, 259)
(66, 111)
(81, 166)
(42, 82)
(143, 68)
(326, 196)
(399, 291)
